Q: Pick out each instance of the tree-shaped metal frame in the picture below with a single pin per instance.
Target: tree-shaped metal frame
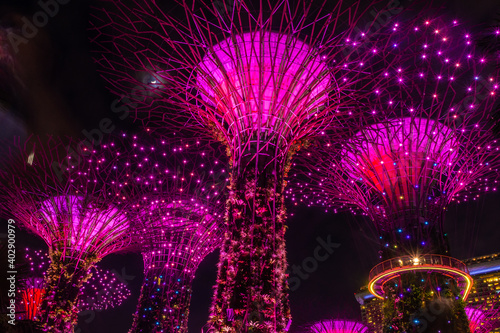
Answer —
(79, 205)
(429, 139)
(181, 200)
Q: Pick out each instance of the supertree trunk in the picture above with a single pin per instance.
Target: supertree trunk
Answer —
(164, 304)
(251, 292)
(64, 280)
(415, 306)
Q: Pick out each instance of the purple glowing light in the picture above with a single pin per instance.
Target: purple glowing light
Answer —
(483, 319)
(85, 225)
(476, 318)
(181, 233)
(339, 326)
(262, 80)
(103, 290)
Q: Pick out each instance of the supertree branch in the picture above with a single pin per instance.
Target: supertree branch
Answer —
(79, 207)
(181, 188)
(482, 319)
(259, 79)
(429, 139)
(339, 326)
(170, 262)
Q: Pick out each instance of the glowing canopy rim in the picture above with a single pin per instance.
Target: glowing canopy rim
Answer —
(84, 226)
(400, 139)
(179, 243)
(404, 163)
(476, 317)
(263, 81)
(339, 326)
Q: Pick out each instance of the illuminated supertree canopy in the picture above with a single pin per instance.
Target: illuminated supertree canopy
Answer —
(429, 139)
(78, 206)
(261, 80)
(181, 205)
(483, 319)
(101, 291)
(339, 326)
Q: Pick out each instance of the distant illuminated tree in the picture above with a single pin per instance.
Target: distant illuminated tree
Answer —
(181, 205)
(78, 205)
(429, 139)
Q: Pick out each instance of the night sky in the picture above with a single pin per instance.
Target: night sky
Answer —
(61, 93)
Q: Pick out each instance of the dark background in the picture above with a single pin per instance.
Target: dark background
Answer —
(55, 89)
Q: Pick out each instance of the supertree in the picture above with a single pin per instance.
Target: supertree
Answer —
(181, 190)
(261, 79)
(339, 326)
(79, 205)
(102, 290)
(483, 319)
(428, 140)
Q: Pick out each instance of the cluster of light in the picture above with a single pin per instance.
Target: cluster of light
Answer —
(76, 201)
(261, 93)
(400, 160)
(72, 195)
(427, 139)
(102, 291)
(179, 235)
(423, 149)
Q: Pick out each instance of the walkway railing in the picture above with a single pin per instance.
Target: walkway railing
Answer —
(422, 260)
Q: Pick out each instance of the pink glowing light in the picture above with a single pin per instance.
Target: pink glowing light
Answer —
(86, 226)
(396, 157)
(339, 326)
(434, 146)
(482, 319)
(188, 228)
(260, 81)
(476, 318)
(80, 210)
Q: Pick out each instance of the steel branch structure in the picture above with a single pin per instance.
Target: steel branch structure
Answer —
(181, 206)
(339, 326)
(101, 291)
(429, 139)
(261, 78)
(78, 204)
(482, 320)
